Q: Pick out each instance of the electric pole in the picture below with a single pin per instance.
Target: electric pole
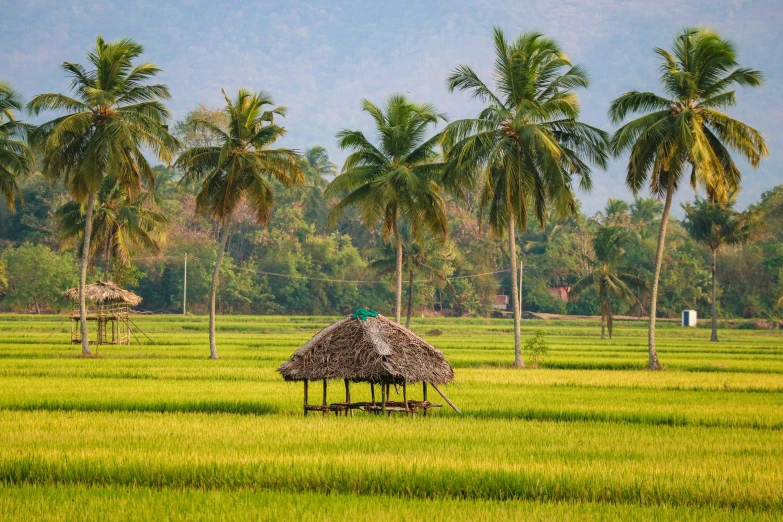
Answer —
(185, 287)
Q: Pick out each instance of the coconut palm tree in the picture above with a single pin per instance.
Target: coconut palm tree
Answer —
(111, 120)
(526, 146)
(684, 130)
(238, 168)
(317, 169)
(615, 214)
(395, 180)
(607, 275)
(645, 214)
(15, 156)
(429, 258)
(536, 243)
(716, 225)
(119, 223)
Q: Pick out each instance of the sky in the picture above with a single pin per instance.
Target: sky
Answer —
(320, 58)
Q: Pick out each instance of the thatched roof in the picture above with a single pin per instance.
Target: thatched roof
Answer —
(104, 292)
(373, 350)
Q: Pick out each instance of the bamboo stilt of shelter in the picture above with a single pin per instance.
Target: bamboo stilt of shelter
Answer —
(324, 404)
(424, 394)
(446, 399)
(305, 397)
(348, 395)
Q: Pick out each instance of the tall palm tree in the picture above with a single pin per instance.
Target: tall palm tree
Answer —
(317, 169)
(645, 213)
(119, 223)
(113, 117)
(429, 258)
(536, 244)
(395, 180)
(716, 225)
(526, 145)
(686, 129)
(607, 274)
(15, 156)
(238, 168)
(615, 214)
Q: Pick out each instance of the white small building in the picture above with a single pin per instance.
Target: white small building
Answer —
(689, 317)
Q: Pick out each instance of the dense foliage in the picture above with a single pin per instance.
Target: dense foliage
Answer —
(314, 260)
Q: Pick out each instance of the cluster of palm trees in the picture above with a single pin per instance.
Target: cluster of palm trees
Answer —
(525, 151)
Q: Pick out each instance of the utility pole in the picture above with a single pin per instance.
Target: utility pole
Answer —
(185, 287)
(521, 271)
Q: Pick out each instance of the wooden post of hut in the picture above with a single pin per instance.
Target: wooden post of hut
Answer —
(325, 408)
(348, 397)
(305, 398)
(367, 347)
(424, 394)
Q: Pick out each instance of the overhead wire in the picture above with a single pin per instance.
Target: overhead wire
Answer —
(329, 279)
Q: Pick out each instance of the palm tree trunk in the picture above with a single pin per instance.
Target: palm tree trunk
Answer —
(410, 299)
(603, 325)
(398, 275)
(714, 336)
(106, 267)
(213, 353)
(83, 274)
(512, 247)
(654, 363)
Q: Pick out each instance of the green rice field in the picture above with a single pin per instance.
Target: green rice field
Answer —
(147, 431)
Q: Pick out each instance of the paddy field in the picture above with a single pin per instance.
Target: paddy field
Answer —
(159, 431)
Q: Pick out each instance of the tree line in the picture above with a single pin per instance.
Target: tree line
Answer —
(425, 198)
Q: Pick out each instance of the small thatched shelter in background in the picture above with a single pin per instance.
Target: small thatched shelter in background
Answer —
(367, 347)
(108, 306)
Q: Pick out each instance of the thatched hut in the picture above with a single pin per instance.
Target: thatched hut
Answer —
(108, 306)
(367, 347)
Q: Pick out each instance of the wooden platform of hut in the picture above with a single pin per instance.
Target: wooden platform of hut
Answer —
(370, 350)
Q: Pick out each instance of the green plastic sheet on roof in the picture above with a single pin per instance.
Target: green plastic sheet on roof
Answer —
(364, 313)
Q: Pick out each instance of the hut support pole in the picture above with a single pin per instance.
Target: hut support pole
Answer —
(139, 329)
(324, 403)
(446, 398)
(305, 397)
(405, 395)
(424, 395)
(372, 392)
(383, 398)
(348, 396)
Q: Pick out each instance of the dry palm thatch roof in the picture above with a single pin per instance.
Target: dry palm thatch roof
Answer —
(103, 292)
(371, 350)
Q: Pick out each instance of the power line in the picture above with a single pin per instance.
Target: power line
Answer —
(328, 279)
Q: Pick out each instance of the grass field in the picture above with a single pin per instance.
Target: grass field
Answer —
(158, 431)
